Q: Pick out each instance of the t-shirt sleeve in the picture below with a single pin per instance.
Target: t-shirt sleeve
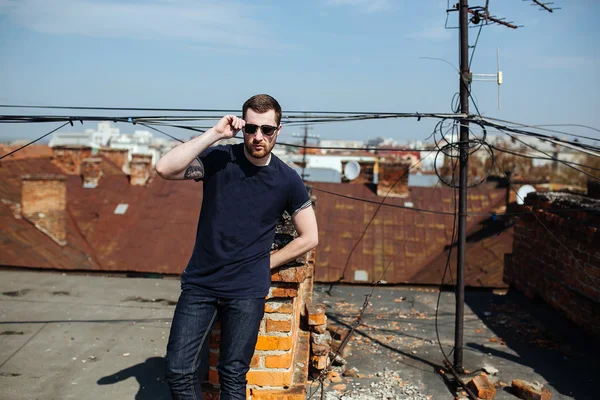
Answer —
(297, 198)
(211, 160)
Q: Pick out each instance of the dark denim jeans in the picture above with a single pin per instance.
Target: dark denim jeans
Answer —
(195, 316)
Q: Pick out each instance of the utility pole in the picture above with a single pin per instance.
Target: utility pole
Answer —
(465, 81)
(304, 149)
(306, 136)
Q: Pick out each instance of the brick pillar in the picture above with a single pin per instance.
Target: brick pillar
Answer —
(116, 156)
(69, 158)
(279, 367)
(281, 344)
(393, 178)
(91, 172)
(139, 172)
(44, 204)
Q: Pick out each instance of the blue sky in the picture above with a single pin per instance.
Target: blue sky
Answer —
(340, 55)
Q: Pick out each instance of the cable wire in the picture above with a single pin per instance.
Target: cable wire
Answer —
(542, 224)
(32, 142)
(554, 158)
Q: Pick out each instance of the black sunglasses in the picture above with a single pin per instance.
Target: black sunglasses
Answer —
(267, 130)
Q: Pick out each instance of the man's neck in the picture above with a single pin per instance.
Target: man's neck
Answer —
(259, 162)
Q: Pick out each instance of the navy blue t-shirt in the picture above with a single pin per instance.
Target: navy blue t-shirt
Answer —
(241, 204)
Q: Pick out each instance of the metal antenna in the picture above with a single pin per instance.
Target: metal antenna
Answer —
(543, 6)
(497, 77)
(482, 15)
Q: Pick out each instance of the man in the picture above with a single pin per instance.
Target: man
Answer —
(246, 189)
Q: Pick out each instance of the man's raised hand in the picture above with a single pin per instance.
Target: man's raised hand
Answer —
(229, 126)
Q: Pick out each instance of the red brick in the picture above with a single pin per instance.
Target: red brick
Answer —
(279, 307)
(527, 391)
(298, 392)
(278, 326)
(482, 387)
(319, 362)
(279, 361)
(270, 378)
(290, 274)
(273, 343)
(316, 314)
(282, 292)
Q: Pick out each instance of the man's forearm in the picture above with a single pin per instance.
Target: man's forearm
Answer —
(180, 157)
(291, 251)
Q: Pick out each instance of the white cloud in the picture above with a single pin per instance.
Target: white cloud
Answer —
(208, 22)
(369, 6)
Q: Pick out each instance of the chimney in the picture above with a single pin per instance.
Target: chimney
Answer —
(91, 172)
(137, 157)
(44, 204)
(364, 177)
(116, 156)
(68, 158)
(393, 178)
(139, 172)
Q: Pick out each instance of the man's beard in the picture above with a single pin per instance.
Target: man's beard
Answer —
(266, 149)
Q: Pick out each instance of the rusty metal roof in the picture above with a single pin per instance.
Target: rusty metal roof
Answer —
(21, 243)
(31, 151)
(409, 241)
(484, 259)
(156, 234)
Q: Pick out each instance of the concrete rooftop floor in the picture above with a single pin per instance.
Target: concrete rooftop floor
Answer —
(93, 337)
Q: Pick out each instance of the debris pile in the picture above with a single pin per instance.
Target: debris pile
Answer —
(389, 386)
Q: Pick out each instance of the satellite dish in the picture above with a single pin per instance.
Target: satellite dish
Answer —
(523, 192)
(351, 170)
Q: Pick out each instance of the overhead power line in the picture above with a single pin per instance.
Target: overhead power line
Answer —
(224, 110)
(32, 142)
(514, 153)
(542, 128)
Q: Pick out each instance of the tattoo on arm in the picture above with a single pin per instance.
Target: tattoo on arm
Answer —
(194, 172)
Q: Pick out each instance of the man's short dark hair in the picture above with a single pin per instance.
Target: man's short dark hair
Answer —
(262, 103)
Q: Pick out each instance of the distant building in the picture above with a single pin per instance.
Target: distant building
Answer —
(534, 147)
(72, 139)
(345, 144)
(107, 136)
